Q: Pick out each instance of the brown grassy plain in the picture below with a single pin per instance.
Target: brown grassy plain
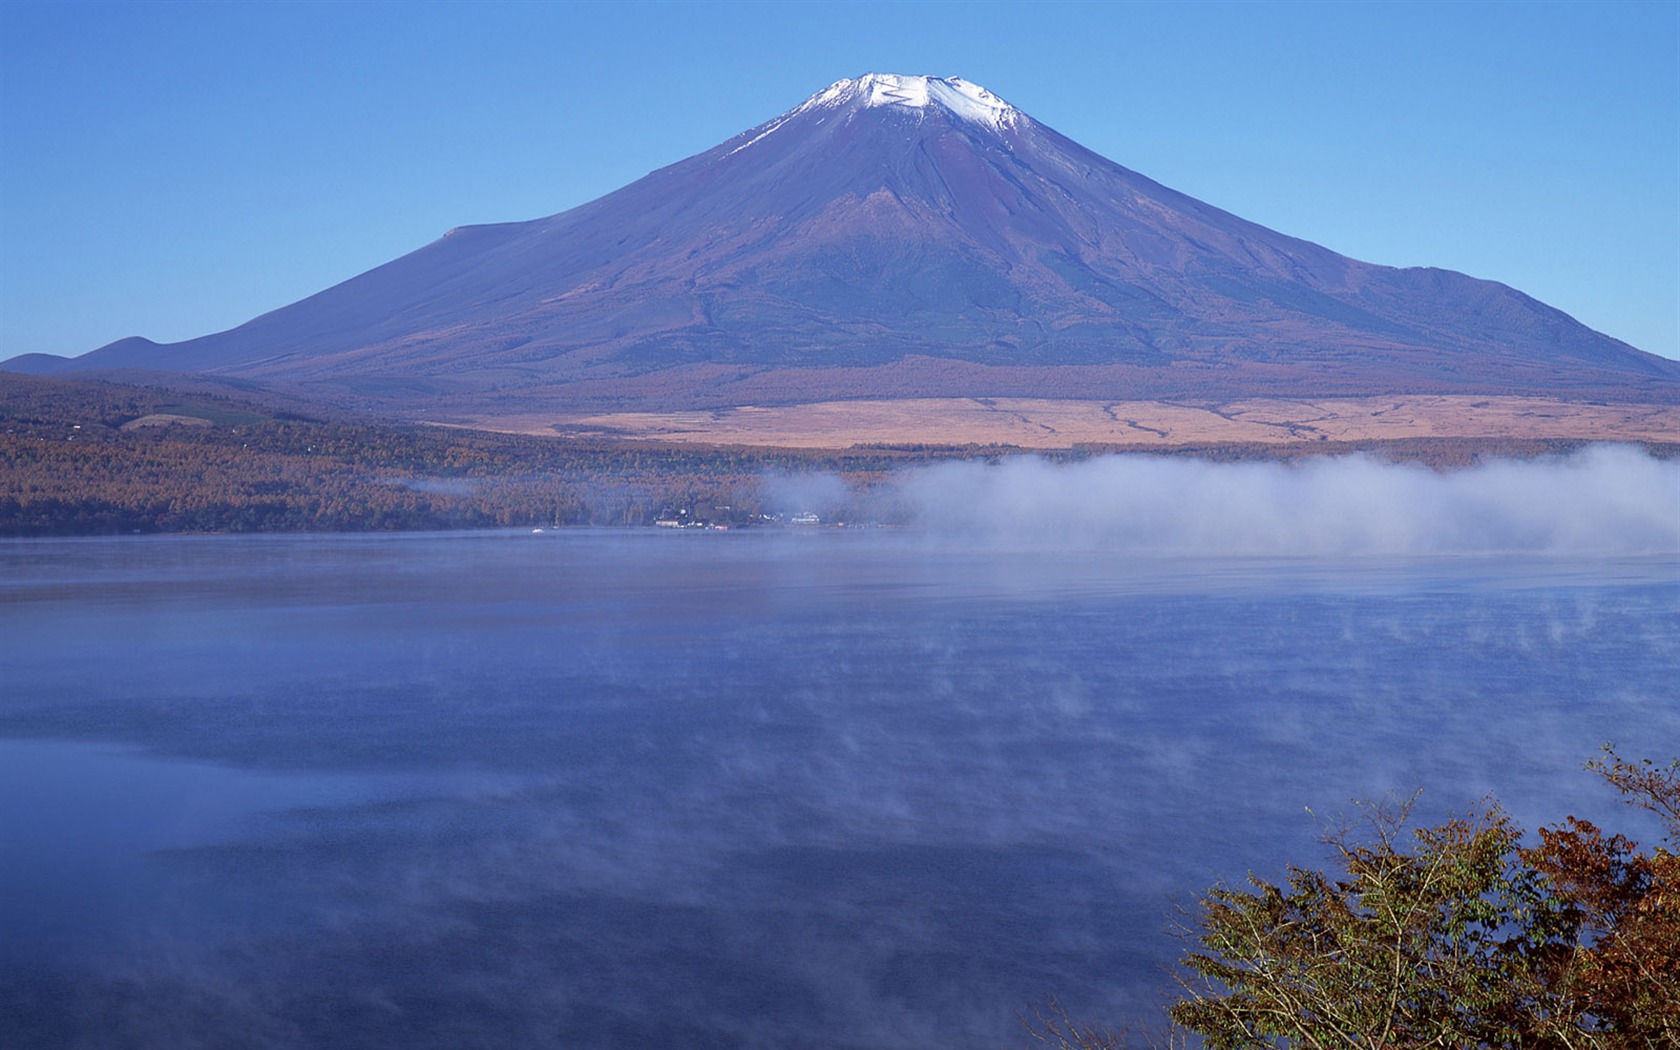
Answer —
(1049, 424)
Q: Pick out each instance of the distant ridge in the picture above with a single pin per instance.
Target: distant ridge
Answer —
(890, 237)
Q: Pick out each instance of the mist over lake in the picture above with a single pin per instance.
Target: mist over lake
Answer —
(781, 788)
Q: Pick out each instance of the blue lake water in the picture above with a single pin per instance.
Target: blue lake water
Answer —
(777, 789)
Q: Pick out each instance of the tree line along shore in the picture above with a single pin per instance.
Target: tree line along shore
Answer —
(83, 457)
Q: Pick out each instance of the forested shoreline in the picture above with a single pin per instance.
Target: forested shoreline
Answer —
(83, 457)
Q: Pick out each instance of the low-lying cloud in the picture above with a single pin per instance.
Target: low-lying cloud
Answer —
(1605, 500)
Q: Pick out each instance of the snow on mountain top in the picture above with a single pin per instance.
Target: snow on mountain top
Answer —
(968, 101)
(957, 96)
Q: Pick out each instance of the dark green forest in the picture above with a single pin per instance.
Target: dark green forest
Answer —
(81, 457)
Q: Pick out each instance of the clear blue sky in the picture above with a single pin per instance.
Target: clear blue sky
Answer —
(170, 170)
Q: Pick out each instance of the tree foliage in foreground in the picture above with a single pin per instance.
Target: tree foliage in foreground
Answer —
(1453, 936)
(1457, 935)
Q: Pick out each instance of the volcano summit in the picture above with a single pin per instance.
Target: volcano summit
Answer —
(895, 237)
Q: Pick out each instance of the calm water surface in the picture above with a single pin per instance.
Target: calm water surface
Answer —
(797, 789)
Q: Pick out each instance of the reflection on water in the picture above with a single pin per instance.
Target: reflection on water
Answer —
(83, 826)
(795, 789)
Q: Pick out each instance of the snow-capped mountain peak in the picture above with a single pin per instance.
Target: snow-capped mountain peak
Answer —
(897, 236)
(969, 101)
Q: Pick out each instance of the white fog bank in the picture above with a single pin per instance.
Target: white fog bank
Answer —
(1605, 500)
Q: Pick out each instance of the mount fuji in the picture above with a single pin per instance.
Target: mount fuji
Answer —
(894, 237)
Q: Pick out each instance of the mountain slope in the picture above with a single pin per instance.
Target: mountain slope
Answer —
(897, 236)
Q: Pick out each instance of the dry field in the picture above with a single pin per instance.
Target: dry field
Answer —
(1047, 424)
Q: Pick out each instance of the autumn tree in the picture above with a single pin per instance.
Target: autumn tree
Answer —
(1625, 968)
(1456, 935)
